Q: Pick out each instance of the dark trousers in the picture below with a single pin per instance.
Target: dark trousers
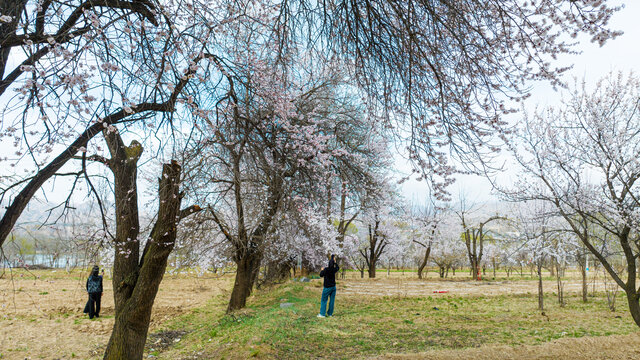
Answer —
(94, 304)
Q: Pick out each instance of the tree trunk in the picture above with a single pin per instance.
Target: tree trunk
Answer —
(560, 285)
(124, 165)
(585, 286)
(493, 261)
(475, 268)
(540, 291)
(634, 305)
(424, 262)
(372, 268)
(248, 266)
(133, 313)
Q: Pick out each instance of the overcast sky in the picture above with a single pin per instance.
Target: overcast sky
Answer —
(595, 62)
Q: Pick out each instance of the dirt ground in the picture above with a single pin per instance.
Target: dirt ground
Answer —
(396, 286)
(41, 312)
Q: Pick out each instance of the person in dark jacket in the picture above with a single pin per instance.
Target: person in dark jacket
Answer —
(329, 291)
(94, 288)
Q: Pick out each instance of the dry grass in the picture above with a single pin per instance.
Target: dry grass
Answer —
(41, 312)
(620, 347)
(397, 317)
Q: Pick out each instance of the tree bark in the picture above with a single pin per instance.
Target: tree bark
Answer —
(124, 165)
(248, 266)
(427, 252)
(493, 261)
(560, 285)
(634, 305)
(13, 8)
(540, 290)
(583, 271)
(377, 244)
(133, 313)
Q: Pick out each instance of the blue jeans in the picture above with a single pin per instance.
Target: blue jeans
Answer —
(327, 293)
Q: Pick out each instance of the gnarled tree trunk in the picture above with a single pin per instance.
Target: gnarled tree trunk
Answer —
(136, 279)
(427, 252)
(634, 305)
(248, 266)
(133, 312)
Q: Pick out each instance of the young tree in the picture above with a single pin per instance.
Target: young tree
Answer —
(534, 233)
(380, 224)
(428, 219)
(582, 159)
(474, 234)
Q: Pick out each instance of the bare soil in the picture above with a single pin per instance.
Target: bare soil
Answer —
(396, 286)
(41, 312)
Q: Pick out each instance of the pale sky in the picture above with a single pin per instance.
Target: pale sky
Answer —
(595, 62)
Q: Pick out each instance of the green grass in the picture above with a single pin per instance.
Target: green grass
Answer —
(364, 326)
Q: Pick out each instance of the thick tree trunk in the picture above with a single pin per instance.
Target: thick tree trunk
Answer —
(427, 252)
(372, 268)
(634, 305)
(475, 269)
(247, 271)
(133, 313)
(124, 165)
